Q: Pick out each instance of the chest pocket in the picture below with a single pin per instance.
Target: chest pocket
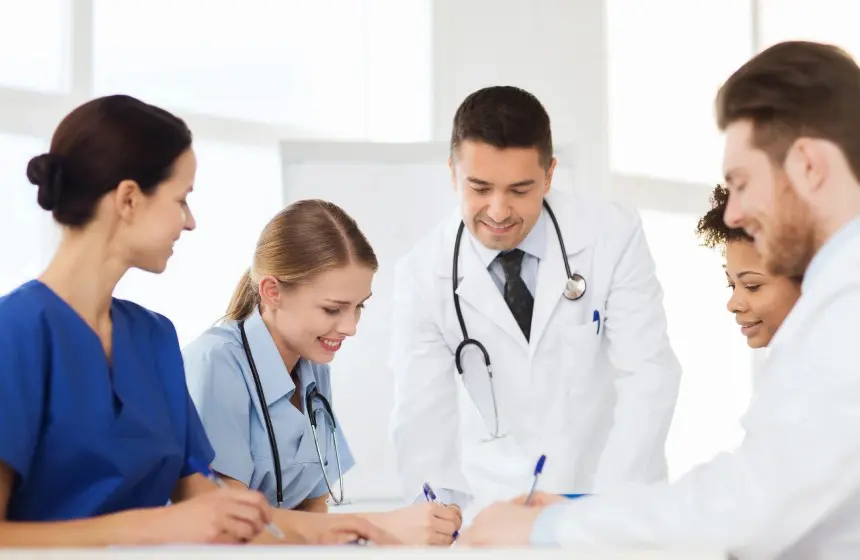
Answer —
(574, 347)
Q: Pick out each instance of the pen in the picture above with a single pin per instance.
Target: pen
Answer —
(208, 473)
(430, 496)
(538, 470)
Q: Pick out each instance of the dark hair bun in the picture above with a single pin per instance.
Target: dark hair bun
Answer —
(46, 172)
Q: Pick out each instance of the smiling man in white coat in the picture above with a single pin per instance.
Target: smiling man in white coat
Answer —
(791, 490)
(558, 293)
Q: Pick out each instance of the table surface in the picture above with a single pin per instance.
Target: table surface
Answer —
(348, 552)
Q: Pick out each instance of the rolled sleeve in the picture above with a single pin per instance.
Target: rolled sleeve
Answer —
(221, 399)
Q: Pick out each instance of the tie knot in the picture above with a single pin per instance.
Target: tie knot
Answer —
(511, 262)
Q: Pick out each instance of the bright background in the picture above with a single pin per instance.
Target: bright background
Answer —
(333, 98)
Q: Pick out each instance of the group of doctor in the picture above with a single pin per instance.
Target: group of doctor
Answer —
(530, 322)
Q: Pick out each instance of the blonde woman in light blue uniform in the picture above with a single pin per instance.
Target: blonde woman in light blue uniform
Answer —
(261, 380)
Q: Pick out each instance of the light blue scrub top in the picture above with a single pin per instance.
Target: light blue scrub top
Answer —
(85, 437)
(222, 387)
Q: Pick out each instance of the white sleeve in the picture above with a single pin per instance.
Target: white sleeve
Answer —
(799, 462)
(425, 419)
(649, 373)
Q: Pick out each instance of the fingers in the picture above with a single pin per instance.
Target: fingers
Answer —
(236, 530)
(459, 513)
(250, 515)
(447, 513)
(439, 539)
(242, 514)
(251, 498)
(339, 537)
(443, 526)
(367, 530)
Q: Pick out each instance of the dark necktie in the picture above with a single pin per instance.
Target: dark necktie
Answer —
(517, 295)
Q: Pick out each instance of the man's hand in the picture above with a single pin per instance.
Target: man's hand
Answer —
(501, 524)
(540, 499)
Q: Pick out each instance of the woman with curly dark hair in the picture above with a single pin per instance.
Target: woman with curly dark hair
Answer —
(760, 301)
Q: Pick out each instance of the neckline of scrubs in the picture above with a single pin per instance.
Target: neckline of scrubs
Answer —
(107, 382)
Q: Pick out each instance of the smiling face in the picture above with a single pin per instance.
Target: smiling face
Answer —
(501, 191)
(760, 301)
(764, 203)
(150, 224)
(311, 320)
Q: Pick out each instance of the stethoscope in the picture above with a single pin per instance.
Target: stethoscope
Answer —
(574, 289)
(270, 430)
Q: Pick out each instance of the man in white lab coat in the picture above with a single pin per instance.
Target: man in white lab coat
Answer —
(792, 488)
(582, 370)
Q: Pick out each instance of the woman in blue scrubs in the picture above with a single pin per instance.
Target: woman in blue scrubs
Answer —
(299, 302)
(760, 300)
(97, 431)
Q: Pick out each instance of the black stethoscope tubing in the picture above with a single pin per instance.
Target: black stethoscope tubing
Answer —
(270, 429)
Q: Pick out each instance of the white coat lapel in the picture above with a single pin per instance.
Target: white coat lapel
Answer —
(551, 272)
(476, 288)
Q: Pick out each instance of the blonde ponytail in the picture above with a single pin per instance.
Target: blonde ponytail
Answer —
(244, 300)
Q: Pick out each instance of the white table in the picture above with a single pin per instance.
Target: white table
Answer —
(346, 552)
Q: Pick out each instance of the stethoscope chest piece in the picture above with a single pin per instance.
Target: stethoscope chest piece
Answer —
(575, 287)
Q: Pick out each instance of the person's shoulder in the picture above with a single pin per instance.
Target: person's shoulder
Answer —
(609, 215)
(213, 362)
(430, 249)
(27, 307)
(218, 343)
(145, 320)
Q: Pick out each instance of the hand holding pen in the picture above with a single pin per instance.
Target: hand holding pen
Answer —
(249, 496)
(430, 496)
(542, 499)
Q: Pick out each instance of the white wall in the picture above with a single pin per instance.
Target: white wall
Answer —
(552, 48)
(555, 49)
(631, 110)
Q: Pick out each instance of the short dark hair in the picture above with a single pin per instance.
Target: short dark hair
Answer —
(100, 144)
(795, 89)
(712, 229)
(504, 117)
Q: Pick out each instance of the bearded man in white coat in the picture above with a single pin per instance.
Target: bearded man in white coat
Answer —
(791, 490)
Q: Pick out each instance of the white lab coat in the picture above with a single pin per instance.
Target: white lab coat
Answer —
(599, 405)
(791, 490)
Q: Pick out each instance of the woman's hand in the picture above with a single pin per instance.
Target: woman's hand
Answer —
(225, 515)
(333, 528)
(423, 524)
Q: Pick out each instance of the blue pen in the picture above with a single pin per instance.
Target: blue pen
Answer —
(538, 471)
(204, 469)
(430, 496)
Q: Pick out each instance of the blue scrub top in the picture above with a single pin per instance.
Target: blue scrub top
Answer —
(82, 437)
(223, 389)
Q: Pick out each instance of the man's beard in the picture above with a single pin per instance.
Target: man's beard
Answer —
(791, 244)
